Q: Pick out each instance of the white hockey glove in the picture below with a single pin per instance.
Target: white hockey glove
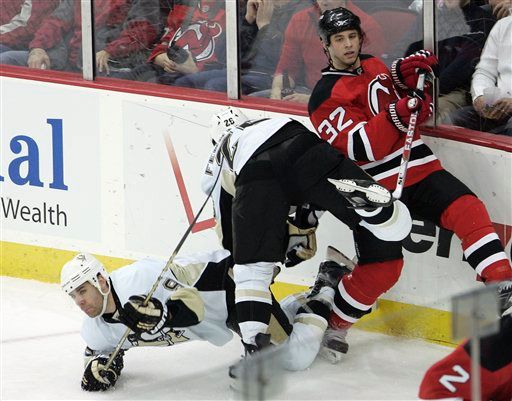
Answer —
(97, 378)
(144, 319)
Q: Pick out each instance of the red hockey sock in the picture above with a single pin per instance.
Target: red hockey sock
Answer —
(467, 217)
(369, 281)
(338, 323)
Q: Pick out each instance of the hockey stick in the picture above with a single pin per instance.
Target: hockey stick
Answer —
(411, 129)
(164, 270)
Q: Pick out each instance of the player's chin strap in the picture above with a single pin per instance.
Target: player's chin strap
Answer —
(105, 298)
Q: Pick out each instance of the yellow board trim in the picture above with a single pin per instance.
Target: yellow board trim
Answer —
(42, 264)
(395, 318)
(390, 317)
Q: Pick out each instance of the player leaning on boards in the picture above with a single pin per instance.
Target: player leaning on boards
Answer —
(261, 169)
(194, 301)
(356, 108)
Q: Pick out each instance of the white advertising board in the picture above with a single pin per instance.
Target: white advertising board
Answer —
(131, 167)
(50, 173)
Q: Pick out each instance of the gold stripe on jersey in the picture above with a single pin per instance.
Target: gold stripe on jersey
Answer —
(188, 274)
(264, 295)
(311, 320)
(228, 182)
(276, 331)
(192, 300)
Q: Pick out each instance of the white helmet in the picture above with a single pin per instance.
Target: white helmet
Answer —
(227, 118)
(82, 268)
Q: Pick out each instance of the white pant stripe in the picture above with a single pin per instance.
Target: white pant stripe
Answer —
(348, 318)
(346, 296)
(481, 242)
(490, 260)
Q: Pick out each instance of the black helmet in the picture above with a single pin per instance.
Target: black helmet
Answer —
(337, 20)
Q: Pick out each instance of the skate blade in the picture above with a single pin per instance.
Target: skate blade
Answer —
(331, 356)
(339, 257)
(374, 193)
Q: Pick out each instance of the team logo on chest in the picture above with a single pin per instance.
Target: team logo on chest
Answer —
(378, 93)
(164, 338)
(198, 38)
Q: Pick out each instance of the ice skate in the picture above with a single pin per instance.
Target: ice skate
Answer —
(363, 194)
(505, 297)
(330, 271)
(334, 345)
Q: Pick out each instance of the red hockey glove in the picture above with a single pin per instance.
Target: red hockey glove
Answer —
(400, 111)
(404, 71)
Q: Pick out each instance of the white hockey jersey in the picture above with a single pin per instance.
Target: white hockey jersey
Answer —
(229, 156)
(138, 278)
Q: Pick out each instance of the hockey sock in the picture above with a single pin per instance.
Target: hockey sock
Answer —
(358, 291)
(467, 217)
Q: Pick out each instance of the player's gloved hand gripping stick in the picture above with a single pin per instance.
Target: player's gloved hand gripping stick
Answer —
(402, 170)
(164, 270)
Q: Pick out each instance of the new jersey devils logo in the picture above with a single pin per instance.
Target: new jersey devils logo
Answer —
(198, 38)
(379, 93)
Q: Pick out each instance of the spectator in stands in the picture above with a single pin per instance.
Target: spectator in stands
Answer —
(501, 8)
(19, 20)
(462, 27)
(261, 36)
(491, 87)
(302, 57)
(194, 41)
(123, 32)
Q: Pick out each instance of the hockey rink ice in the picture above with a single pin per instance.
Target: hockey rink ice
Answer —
(41, 358)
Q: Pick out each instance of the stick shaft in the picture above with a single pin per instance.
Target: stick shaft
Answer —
(411, 129)
(164, 270)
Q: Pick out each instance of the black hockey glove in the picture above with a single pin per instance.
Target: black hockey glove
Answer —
(144, 319)
(301, 235)
(97, 378)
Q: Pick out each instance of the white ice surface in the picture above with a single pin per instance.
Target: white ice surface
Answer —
(41, 358)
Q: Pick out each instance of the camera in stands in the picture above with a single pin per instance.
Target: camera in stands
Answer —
(177, 54)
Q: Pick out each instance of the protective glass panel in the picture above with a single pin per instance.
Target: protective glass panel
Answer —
(178, 43)
(472, 93)
(475, 314)
(285, 59)
(41, 34)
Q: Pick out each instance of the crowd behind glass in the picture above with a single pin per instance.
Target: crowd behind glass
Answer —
(182, 43)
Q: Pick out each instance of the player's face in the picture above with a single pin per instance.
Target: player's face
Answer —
(330, 4)
(344, 48)
(88, 299)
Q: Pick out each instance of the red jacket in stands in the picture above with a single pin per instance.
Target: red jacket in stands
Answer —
(121, 27)
(202, 34)
(349, 110)
(302, 51)
(20, 19)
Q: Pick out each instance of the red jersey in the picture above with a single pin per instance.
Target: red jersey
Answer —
(349, 110)
(450, 378)
(196, 31)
